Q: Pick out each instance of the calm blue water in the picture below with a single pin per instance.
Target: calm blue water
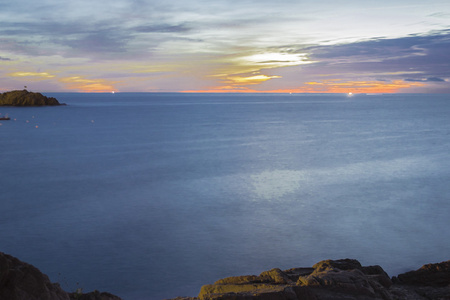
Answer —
(150, 196)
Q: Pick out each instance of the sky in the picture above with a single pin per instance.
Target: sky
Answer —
(285, 46)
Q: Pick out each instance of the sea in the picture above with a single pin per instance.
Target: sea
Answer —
(152, 195)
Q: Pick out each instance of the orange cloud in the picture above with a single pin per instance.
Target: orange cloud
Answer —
(256, 79)
(88, 85)
(34, 75)
(329, 86)
(269, 60)
(237, 83)
(334, 86)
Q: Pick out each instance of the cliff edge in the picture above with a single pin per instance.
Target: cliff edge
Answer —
(26, 98)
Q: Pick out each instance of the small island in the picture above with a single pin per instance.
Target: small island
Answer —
(26, 98)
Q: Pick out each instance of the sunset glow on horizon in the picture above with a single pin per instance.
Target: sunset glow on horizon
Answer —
(199, 46)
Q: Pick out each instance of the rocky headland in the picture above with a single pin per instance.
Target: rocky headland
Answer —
(26, 98)
(344, 279)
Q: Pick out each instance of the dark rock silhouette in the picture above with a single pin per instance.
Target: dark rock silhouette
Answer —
(95, 295)
(343, 279)
(22, 281)
(19, 280)
(334, 280)
(26, 98)
(432, 275)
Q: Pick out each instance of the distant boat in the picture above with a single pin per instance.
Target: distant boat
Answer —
(4, 118)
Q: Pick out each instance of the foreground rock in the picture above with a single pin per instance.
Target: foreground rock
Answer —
(22, 281)
(26, 98)
(334, 280)
(343, 279)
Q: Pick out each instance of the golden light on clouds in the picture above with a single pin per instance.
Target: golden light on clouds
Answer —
(329, 86)
(203, 46)
(275, 59)
(249, 62)
(77, 83)
(256, 79)
(88, 85)
(335, 86)
(35, 75)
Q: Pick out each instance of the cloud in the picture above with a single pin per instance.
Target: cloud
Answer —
(246, 80)
(36, 75)
(435, 79)
(102, 43)
(412, 47)
(134, 29)
(419, 58)
(91, 39)
(442, 15)
(188, 44)
(18, 47)
(162, 28)
(430, 79)
(326, 86)
(269, 59)
(336, 86)
(88, 85)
